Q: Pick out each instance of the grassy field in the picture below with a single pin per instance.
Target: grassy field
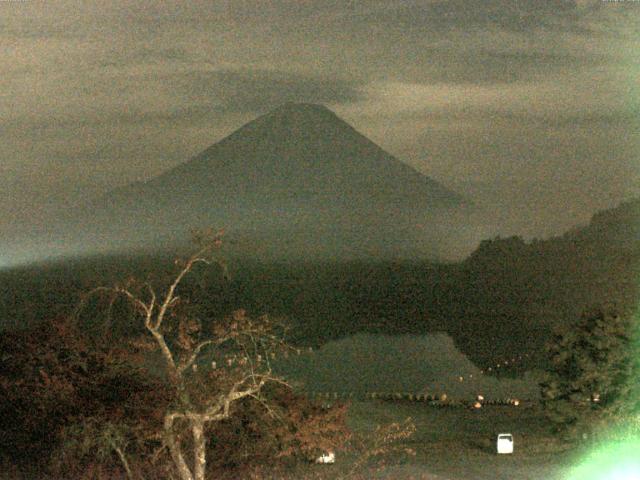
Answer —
(458, 443)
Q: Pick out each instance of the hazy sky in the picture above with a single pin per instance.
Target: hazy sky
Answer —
(530, 107)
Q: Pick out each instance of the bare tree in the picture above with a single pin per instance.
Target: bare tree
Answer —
(211, 367)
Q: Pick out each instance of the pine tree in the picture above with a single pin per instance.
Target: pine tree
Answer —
(594, 375)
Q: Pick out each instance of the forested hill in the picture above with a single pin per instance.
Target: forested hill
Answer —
(511, 288)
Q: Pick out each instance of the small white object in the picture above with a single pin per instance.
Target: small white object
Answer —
(505, 443)
(328, 457)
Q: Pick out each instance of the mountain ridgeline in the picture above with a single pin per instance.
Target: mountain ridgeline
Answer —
(298, 182)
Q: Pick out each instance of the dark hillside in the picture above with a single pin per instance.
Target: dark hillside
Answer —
(295, 183)
(517, 291)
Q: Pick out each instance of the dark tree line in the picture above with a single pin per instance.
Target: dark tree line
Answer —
(592, 385)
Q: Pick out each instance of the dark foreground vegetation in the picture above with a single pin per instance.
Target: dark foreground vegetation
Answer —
(85, 402)
(76, 407)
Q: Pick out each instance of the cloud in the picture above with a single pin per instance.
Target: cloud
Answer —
(446, 15)
(260, 90)
(145, 94)
(100, 93)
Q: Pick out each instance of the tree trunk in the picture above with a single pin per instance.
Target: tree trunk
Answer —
(175, 451)
(199, 446)
(124, 461)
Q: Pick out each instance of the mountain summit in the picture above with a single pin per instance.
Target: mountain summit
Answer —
(296, 180)
(302, 149)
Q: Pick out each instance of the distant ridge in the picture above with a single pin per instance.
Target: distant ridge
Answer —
(296, 181)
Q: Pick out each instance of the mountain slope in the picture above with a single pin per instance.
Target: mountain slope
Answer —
(303, 149)
(296, 181)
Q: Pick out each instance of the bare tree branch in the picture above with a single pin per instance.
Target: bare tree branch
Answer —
(196, 351)
(250, 338)
(169, 298)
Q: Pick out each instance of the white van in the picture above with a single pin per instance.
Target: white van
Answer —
(505, 443)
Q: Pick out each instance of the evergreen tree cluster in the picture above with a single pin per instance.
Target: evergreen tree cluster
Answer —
(593, 380)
